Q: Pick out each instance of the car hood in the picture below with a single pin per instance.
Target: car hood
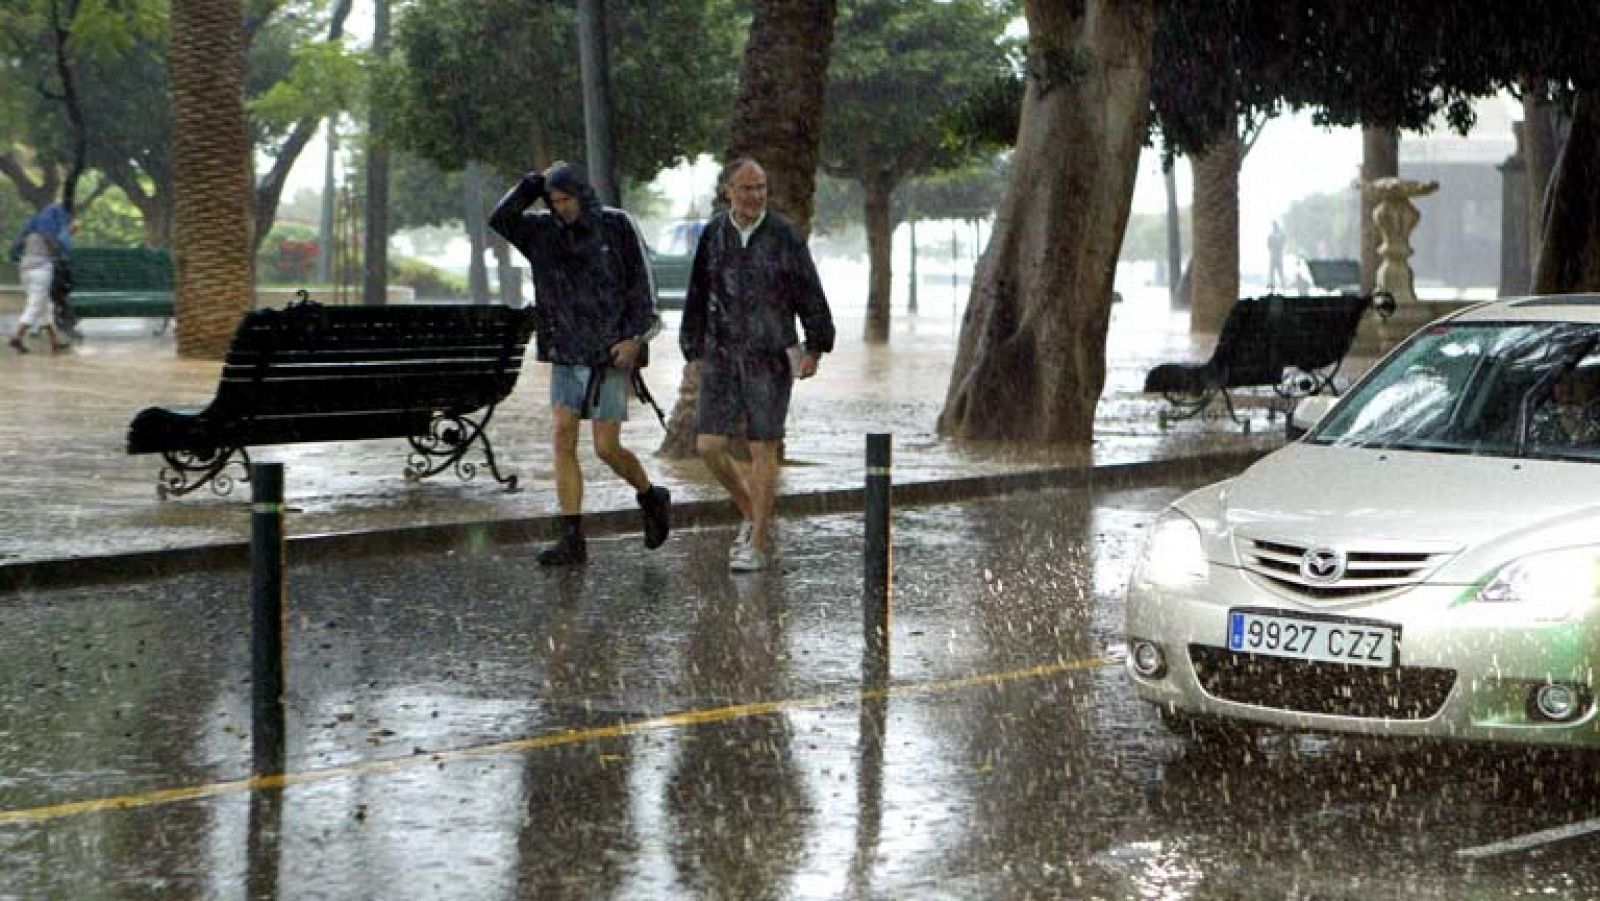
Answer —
(1343, 496)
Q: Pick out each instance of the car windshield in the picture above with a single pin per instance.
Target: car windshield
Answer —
(1487, 388)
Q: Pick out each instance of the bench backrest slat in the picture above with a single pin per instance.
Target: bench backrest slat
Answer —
(96, 269)
(312, 360)
(1264, 335)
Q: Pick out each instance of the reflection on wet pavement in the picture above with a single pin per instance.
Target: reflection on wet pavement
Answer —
(470, 726)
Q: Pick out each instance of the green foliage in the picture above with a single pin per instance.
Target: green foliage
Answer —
(971, 192)
(497, 81)
(895, 67)
(111, 221)
(421, 195)
(325, 78)
(427, 281)
(1356, 62)
(288, 256)
(1146, 236)
(1322, 225)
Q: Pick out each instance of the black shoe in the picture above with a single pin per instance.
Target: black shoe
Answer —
(656, 504)
(570, 548)
(18, 346)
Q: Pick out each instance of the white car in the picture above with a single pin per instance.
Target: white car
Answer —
(1424, 561)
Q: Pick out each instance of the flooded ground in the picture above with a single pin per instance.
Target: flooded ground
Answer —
(470, 726)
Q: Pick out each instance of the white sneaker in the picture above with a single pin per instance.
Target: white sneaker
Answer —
(747, 559)
(742, 539)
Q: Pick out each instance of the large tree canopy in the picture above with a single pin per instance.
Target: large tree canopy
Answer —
(497, 82)
(892, 63)
(119, 54)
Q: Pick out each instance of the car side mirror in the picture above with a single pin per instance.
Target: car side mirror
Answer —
(1307, 413)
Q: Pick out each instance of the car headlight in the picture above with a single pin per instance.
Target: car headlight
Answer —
(1172, 556)
(1554, 583)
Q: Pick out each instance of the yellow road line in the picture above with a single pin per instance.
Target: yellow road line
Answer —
(158, 797)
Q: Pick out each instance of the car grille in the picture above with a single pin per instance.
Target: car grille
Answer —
(1368, 571)
(1334, 689)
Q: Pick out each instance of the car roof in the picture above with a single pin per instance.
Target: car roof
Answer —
(1537, 308)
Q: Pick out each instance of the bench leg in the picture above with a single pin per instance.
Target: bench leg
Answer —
(445, 444)
(1183, 406)
(206, 465)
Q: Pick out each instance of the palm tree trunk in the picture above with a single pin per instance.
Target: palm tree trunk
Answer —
(1215, 220)
(211, 175)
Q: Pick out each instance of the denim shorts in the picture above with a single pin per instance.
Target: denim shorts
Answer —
(569, 384)
(753, 388)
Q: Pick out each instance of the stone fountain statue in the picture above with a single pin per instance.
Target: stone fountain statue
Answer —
(1395, 218)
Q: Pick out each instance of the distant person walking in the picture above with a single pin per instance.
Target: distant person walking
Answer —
(45, 238)
(1275, 240)
(596, 310)
(752, 276)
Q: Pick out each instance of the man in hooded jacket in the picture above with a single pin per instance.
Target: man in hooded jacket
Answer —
(595, 304)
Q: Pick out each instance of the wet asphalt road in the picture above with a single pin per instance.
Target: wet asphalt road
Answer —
(454, 733)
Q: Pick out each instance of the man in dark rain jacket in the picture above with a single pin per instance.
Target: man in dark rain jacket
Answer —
(595, 305)
(752, 276)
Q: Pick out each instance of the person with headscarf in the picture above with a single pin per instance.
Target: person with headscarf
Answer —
(45, 238)
(595, 305)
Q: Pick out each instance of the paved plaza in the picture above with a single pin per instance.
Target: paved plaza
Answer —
(69, 491)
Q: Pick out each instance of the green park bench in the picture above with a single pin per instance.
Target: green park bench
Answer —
(122, 282)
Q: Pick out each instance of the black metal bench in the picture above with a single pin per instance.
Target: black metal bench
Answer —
(1294, 345)
(322, 373)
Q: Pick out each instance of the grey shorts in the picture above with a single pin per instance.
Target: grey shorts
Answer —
(751, 388)
(569, 384)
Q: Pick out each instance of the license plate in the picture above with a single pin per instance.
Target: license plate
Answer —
(1330, 640)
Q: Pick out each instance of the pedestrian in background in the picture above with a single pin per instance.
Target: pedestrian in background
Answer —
(45, 238)
(752, 277)
(595, 305)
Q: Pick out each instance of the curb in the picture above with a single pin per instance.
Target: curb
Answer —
(73, 572)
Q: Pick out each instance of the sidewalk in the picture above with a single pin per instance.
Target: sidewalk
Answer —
(68, 490)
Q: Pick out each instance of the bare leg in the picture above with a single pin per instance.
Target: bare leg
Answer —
(763, 492)
(714, 451)
(608, 446)
(569, 475)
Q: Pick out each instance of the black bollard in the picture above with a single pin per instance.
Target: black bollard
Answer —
(266, 617)
(878, 565)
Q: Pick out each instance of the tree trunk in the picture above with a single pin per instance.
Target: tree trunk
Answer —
(1215, 220)
(211, 175)
(1030, 364)
(36, 194)
(61, 33)
(777, 115)
(1541, 146)
(1380, 158)
(506, 271)
(1569, 257)
(777, 120)
(330, 188)
(375, 268)
(880, 244)
(1169, 179)
(477, 221)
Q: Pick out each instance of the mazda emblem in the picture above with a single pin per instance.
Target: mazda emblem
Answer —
(1324, 565)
